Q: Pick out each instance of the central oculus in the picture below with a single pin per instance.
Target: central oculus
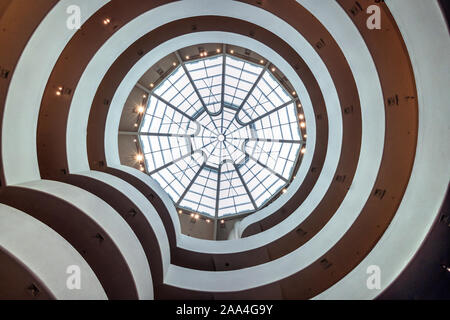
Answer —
(221, 138)
(220, 135)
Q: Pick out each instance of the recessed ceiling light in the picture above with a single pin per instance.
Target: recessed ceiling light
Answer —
(139, 157)
(135, 125)
(273, 69)
(218, 50)
(140, 109)
(151, 85)
(261, 61)
(301, 116)
(187, 57)
(303, 150)
(302, 125)
(232, 51)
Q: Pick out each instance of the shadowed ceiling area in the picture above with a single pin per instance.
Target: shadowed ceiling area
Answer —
(210, 149)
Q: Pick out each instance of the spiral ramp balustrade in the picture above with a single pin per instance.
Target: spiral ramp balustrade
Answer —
(369, 190)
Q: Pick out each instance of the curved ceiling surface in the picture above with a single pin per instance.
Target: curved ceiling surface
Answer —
(220, 135)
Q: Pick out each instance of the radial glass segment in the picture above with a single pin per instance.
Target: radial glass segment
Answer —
(221, 136)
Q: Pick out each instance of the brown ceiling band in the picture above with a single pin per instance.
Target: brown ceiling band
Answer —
(17, 23)
(83, 233)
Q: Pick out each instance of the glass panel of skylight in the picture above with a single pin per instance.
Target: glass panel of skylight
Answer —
(179, 92)
(175, 177)
(239, 79)
(162, 118)
(233, 197)
(266, 97)
(281, 125)
(201, 196)
(261, 182)
(279, 157)
(207, 77)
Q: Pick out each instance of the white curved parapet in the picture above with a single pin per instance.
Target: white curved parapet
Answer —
(47, 255)
(112, 224)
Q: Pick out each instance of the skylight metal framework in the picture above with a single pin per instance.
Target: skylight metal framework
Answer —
(220, 135)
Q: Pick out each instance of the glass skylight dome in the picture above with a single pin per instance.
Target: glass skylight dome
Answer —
(221, 136)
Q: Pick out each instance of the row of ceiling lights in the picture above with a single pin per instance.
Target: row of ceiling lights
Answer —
(197, 216)
(218, 50)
